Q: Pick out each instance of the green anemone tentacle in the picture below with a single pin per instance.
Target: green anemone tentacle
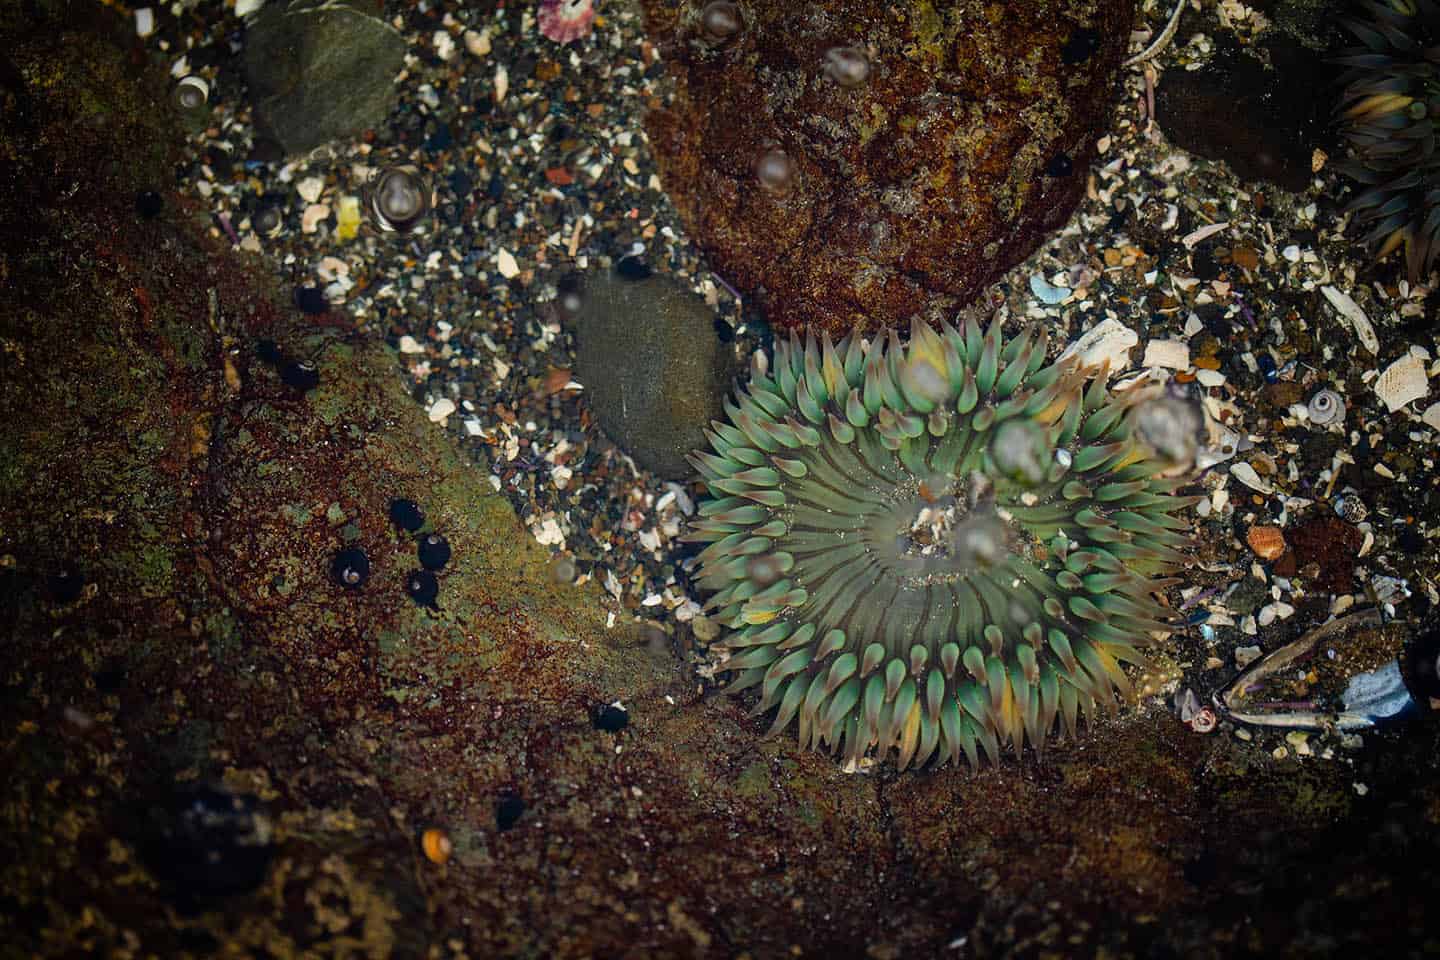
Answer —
(907, 564)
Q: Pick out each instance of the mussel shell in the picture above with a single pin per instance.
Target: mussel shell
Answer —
(1344, 675)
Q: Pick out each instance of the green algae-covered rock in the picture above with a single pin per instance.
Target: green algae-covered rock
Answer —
(320, 71)
(654, 370)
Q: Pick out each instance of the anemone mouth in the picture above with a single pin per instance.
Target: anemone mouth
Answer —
(934, 549)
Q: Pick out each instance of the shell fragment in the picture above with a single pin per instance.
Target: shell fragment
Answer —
(1403, 381)
(1351, 311)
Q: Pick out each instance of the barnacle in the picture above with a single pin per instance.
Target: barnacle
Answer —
(1387, 114)
(935, 549)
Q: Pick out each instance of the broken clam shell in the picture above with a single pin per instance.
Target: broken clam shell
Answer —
(1343, 675)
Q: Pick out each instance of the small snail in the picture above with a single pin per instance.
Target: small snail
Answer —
(774, 170)
(1325, 406)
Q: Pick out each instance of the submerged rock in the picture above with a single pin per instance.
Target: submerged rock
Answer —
(1264, 121)
(320, 71)
(854, 163)
(207, 842)
(653, 369)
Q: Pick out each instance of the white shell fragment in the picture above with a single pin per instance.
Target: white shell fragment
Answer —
(1431, 416)
(312, 216)
(1351, 311)
(1244, 656)
(444, 45)
(441, 409)
(1109, 340)
(502, 83)
(1047, 292)
(144, 22)
(1209, 230)
(310, 188)
(1224, 444)
(505, 263)
(1246, 474)
(1171, 354)
(1403, 381)
(477, 44)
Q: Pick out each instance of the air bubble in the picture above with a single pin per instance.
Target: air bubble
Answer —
(720, 21)
(847, 66)
(1019, 451)
(1172, 426)
(774, 170)
(191, 94)
(398, 198)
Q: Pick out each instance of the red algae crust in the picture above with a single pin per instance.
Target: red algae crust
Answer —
(908, 192)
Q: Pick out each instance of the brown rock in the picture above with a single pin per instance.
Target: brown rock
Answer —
(1262, 119)
(1330, 544)
(905, 192)
(1279, 396)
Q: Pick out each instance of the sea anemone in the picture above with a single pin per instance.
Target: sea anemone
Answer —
(1386, 113)
(566, 20)
(936, 549)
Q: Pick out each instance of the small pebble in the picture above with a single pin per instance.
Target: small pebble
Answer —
(508, 810)
(311, 217)
(1060, 165)
(720, 20)
(436, 845)
(311, 301)
(505, 263)
(66, 586)
(269, 352)
(847, 66)
(440, 410)
(148, 204)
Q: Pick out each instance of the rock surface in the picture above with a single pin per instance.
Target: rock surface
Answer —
(320, 71)
(169, 630)
(653, 369)
(1264, 120)
(904, 193)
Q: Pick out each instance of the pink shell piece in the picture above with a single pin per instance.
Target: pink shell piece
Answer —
(566, 20)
